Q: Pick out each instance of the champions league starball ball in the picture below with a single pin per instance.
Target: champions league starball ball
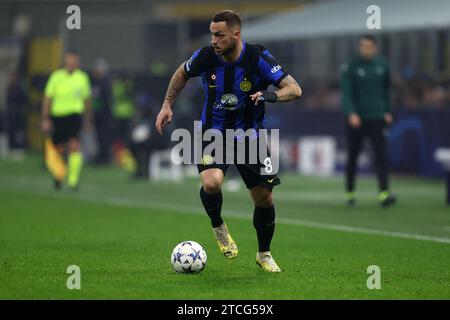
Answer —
(188, 257)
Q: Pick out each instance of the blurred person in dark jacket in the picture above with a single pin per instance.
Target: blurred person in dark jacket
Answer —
(16, 104)
(102, 100)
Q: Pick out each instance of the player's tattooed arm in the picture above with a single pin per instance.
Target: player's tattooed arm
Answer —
(176, 84)
(289, 89)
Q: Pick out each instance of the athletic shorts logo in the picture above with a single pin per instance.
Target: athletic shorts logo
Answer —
(271, 180)
(275, 69)
(207, 160)
(245, 85)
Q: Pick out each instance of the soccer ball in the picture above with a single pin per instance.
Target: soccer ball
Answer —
(188, 257)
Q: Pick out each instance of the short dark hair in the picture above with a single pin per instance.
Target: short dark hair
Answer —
(370, 38)
(230, 17)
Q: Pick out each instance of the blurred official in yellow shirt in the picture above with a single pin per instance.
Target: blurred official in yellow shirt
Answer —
(66, 98)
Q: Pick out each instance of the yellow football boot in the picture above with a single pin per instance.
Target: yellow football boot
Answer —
(266, 261)
(226, 244)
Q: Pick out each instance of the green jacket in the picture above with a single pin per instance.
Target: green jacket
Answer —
(365, 87)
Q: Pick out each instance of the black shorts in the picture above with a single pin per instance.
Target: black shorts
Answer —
(253, 174)
(66, 128)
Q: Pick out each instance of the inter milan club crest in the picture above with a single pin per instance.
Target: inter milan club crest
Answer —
(207, 160)
(245, 85)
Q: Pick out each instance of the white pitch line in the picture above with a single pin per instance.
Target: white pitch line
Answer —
(345, 228)
(133, 203)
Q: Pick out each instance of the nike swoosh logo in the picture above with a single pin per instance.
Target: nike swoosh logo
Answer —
(212, 86)
(271, 180)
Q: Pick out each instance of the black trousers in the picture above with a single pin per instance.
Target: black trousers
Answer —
(376, 131)
(103, 121)
(16, 129)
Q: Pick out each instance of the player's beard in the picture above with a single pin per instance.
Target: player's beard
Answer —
(229, 50)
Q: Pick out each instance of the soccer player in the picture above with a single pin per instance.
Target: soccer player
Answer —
(365, 100)
(67, 95)
(235, 76)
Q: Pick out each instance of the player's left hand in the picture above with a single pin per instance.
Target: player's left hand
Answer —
(255, 97)
(267, 96)
(388, 118)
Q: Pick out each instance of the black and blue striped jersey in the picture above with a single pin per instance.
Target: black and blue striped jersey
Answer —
(228, 86)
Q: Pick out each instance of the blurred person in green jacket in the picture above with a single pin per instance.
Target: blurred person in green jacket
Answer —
(365, 100)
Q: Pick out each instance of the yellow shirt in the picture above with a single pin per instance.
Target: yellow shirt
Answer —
(68, 91)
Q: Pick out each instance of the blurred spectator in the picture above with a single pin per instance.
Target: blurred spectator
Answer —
(101, 103)
(412, 92)
(434, 96)
(123, 108)
(16, 104)
(142, 135)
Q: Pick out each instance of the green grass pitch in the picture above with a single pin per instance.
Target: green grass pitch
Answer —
(121, 234)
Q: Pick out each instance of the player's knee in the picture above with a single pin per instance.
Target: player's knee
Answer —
(212, 180)
(74, 145)
(266, 202)
(263, 198)
(212, 185)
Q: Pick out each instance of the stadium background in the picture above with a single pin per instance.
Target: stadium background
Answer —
(143, 42)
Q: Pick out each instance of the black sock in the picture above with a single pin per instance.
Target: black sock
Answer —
(213, 206)
(264, 223)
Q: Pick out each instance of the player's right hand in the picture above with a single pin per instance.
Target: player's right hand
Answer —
(164, 117)
(46, 125)
(354, 120)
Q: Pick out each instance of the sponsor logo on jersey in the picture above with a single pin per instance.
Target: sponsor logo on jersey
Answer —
(228, 101)
(275, 69)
